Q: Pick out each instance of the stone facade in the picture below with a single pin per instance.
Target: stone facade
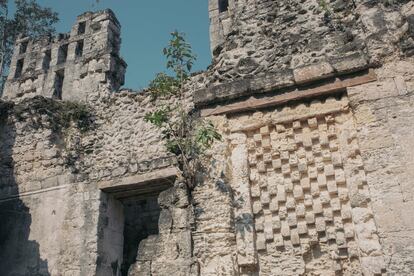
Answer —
(313, 175)
(81, 61)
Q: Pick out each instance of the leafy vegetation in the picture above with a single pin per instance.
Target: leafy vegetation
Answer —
(185, 134)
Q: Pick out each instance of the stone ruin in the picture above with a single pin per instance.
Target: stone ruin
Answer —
(313, 175)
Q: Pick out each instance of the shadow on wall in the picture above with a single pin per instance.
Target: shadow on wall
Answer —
(18, 255)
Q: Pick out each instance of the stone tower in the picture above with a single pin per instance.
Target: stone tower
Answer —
(69, 66)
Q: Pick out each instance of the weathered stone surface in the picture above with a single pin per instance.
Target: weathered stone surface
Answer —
(314, 181)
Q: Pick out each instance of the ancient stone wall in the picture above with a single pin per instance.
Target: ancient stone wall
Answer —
(312, 176)
(277, 38)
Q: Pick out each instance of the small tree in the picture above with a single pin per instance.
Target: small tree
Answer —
(29, 19)
(185, 134)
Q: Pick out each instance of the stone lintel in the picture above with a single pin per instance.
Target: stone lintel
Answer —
(143, 184)
(287, 78)
(338, 85)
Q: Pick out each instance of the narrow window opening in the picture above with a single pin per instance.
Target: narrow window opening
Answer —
(23, 47)
(79, 48)
(223, 5)
(19, 68)
(62, 53)
(46, 60)
(58, 85)
(81, 28)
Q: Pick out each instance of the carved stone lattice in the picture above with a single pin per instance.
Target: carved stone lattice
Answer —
(298, 186)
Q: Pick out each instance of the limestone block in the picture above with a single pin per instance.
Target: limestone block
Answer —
(260, 242)
(298, 192)
(332, 188)
(314, 189)
(302, 228)
(305, 183)
(300, 210)
(328, 214)
(286, 169)
(312, 172)
(276, 164)
(290, 203)
(278, 240)
(310, 217)
(292, 220)
(282, 212)
(285, 229)
(339, 176)
(261, 167)
(330, 233)
(264, 130)
(257, 207)
(268, 230)
(255, 191)
(281, 195)
(264, 198)
(276, 223)
(317, 206)
(312, 72)
(266, 143)
(321, 180)
(294, 236)
(320, 224)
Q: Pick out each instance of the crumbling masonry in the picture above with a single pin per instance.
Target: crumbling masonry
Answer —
(313, 176)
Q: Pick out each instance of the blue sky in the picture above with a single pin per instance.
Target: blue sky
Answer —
(146, 27)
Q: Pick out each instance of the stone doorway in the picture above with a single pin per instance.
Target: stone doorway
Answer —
(140, 230)
(129, 222)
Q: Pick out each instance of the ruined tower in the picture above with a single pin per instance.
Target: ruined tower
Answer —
(69, 66)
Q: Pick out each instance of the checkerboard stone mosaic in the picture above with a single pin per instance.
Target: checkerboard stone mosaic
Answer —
(298, 186)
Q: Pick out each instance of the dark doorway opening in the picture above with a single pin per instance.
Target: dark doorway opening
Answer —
(141, 223)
